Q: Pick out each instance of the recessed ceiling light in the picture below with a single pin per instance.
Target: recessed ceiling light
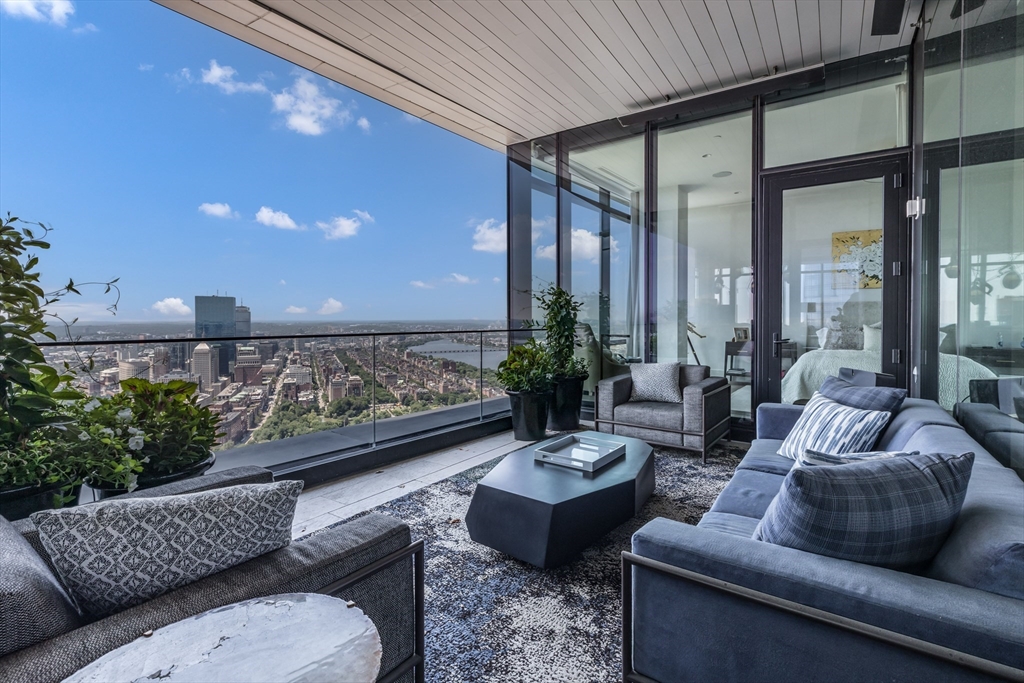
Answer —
(721, 174)
(736, 192)
(718, 136)
(704, 156)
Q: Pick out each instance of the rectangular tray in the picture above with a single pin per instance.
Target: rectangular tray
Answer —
(578, 452)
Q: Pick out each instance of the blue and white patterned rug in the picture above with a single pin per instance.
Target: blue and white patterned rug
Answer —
(490, 617)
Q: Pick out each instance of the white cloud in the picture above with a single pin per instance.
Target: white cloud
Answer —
(409, 118)
(145, 67)
(343, 227)
(276, 219)
(497, 280)
(224, 78)
(309, 111)
(586, 246)
(331, 306)
(218, 210)
(87, 28)
(172, 305)
(282, 283)
(364, 124)
(540, 226)
(489, 236)
(460, 279)
(420, 284)
(296, 310)
(182, 77)
(54, 11)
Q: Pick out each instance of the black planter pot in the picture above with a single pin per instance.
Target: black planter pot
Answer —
(19, 503)
(151, 481)
(529, 415)
(566, 403)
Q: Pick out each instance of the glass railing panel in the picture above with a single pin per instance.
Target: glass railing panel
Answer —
(494, 349)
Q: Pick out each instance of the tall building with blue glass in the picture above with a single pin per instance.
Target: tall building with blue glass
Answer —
(215, 317)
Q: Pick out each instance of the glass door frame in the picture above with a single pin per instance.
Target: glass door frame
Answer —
(894, 167)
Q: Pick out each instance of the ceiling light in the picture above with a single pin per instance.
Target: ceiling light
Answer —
(721, 174)
(704, 156)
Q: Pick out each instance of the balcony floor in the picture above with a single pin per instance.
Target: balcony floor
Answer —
(326, 504)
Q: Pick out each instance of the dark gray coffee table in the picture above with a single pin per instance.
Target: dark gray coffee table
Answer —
(546, 514)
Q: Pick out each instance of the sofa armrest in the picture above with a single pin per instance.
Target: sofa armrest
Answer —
(765, 642)
(612, 392)
(308, 565)
(706, 403)
(776, 420)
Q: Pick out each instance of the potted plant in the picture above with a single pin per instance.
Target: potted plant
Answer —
(163, 427)
(527, 377)
(561, 316)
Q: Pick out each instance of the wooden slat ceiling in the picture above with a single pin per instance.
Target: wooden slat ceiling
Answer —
(503, 71)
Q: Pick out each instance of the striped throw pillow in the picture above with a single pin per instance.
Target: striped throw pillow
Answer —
(811, 458)
(893, 512)
(830, 427)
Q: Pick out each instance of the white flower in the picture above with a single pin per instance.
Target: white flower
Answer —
(133, 482)
(82, 436)
(108, 431)
(135, 443)
(134, 431)
(144, 460)
(91, 406)
(124, 414)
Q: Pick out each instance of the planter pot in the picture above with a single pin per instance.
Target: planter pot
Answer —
(151, 481)
(566, 403)
(529, 415)
(19, 503)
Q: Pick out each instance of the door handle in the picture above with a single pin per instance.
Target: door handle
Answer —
(777, 344)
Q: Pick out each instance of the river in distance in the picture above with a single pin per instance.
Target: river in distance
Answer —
(463, 353)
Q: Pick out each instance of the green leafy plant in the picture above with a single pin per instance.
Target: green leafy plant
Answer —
(103, 444)
(177, 432)
(528, 369)
(561, 315)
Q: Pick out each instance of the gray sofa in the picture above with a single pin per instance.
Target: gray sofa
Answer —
(1001, 434)
(708, 602)
(324, 563)
(696, 424)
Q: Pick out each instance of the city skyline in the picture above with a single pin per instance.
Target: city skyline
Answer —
(208, 165)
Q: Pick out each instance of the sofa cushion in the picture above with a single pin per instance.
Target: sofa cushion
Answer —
(656, 382)
(1008, 449)
(985, 549)
(888, 399)
(830, 427)
(728, 523)
(748, 493)
(894, 512)
(763, 456)
(33, 606)
(667, 416)
(119, 553)
(811, 458)
(915, 413)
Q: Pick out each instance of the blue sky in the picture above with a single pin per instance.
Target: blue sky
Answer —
(185, 162)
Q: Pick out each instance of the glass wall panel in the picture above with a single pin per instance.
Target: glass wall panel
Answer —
(849, 119)
(602, 246)
(703, 247)
(532, 217)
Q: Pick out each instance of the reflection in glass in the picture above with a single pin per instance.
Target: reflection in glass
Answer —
(704, 307)
(832, 283)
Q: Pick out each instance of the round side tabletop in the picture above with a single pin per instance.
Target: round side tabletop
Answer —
(296, 637)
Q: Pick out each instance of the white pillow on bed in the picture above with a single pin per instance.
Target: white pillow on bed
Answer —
(872, 338)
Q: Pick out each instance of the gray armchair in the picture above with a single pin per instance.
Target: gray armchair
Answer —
(369, 560)
(696, 424)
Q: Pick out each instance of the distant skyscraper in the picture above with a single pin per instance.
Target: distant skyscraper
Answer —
(215, 317)
(161, 363)
(134, 367)
(243, 322)
(205, 365)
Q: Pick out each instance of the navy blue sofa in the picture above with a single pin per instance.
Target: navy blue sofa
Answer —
(709, 603)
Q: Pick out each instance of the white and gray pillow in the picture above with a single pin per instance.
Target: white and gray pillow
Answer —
(656, 382)
(811, 458)
(826, 426)
(119, 553)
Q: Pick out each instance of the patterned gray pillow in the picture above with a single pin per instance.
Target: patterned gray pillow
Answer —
(119, 553)
(656, 382)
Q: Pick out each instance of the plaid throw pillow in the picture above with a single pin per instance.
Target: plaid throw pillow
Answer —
(888, 399)
(656, 382)
(119, 553)
(811, 458)
(826, 426)
(893, 512)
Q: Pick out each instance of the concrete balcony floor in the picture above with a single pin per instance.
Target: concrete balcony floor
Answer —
(326, 504)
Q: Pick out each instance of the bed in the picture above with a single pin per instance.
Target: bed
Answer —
(811, 369)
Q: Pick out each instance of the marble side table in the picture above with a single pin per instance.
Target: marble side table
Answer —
(296, 637)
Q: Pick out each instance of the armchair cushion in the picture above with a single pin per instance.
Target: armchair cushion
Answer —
(33, 605)
(668, 416)
(120, 553)
(656, 382)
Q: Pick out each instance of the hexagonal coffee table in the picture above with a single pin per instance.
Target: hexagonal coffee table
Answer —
(546, 514)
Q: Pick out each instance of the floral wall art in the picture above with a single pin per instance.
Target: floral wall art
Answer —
(857, 255)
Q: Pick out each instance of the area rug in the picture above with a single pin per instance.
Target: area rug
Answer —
(490, 617)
